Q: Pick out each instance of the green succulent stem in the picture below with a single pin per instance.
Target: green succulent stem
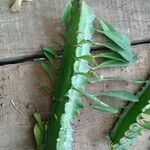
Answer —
(130, 117)
(56, 134)
(64, 82)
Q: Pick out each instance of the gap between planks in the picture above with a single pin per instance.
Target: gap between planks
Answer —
(40, 56)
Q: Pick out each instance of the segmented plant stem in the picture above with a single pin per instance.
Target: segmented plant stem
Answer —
(129, 118)
(66, 101)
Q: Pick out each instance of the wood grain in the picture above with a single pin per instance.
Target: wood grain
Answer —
(92, 126)
(38, 23)
(21, 83)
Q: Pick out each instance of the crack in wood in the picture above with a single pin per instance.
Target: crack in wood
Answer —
(40, 56)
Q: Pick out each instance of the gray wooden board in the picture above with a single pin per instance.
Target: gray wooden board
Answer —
(20, 84)
(39, 22)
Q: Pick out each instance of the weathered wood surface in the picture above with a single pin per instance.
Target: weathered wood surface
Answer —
(21, 83)
(92, 126)
(39, 22)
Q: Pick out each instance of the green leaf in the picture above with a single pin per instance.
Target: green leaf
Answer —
(111, 55)
(37, 116)
(39, 131)
(119, 38)
(111, 63)
(39, 136)
(93, 77)
(124, 95)
(147, 111)
(49, 57)
(107, 26)
(83, 41)
(90, 77)
(97, 103)
(88, 58)
(126, 54)
(50, 51)
(109, 109)
(47, 68)
(122, 79)
(46, 89)
(65, 18)
(146, 124)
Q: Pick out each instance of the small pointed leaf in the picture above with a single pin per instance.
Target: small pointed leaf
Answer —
(85, 42)
(47, 68)
(65, 18)
(37, 116)
(49, 57)
(147, 112)
(50, 51)
(119, 38)
(124, 95)
(123, 79)
(111, 55)
(111, 63)
(128, 55)
(89, 58)
(39, 131)
(91, 76)
(46, 89)
(109, 109)
(146, 124)
(98, 104)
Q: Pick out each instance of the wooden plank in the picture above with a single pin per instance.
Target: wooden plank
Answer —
(39, 22)
(20, 84)
(92, 126)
